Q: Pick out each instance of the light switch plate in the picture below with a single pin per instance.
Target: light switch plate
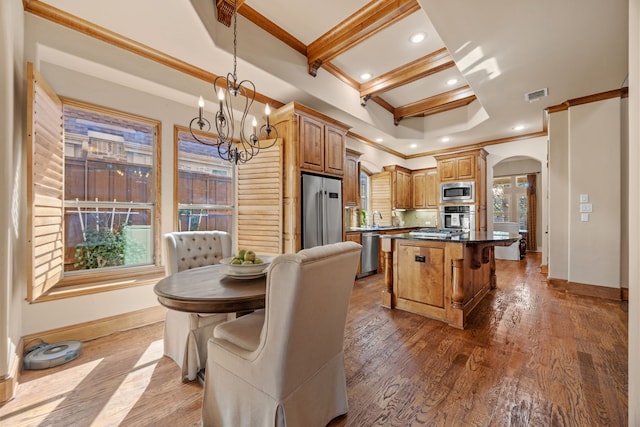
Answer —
(584, 198)
(586, 207)
(584, 217)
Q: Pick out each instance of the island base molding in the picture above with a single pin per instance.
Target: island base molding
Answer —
(584, 289)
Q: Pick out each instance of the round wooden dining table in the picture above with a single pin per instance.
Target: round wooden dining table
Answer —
(210, 290)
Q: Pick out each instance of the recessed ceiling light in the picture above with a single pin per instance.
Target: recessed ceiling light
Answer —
(379, 139)
(445, 139)
(518, 127)
(365, 76)
(413, 145)
(451, 82)
(417, 38)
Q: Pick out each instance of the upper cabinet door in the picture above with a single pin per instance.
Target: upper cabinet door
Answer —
(311, 144)
(334, 150)
(466, 167)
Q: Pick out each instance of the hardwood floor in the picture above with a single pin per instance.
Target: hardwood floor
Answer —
(531, 356)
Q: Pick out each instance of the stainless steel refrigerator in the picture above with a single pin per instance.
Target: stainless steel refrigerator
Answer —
(321, 210)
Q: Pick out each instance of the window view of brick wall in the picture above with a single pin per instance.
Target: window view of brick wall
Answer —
(109, 196)
(205, 186)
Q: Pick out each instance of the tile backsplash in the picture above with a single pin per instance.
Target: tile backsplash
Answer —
(401, 218)
(417, 218)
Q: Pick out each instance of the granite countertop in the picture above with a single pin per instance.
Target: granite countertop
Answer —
(380, 228)
(468, 237)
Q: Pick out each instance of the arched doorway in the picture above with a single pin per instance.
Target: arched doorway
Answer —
(514, 196)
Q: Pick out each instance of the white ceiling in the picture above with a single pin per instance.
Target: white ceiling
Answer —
(502, 49)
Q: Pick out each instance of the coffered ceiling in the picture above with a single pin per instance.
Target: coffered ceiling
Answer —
(464, 84)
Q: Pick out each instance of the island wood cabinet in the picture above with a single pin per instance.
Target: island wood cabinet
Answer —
(425, 189)
(440, 279)
(322, 145)
(351, 180)
(311, 142)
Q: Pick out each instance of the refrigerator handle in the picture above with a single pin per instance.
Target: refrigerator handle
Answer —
(325, 232)
(320, 217)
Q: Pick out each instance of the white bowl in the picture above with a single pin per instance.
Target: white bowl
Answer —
(248, 268)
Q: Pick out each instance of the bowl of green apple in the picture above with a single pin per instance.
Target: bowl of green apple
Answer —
(247, 262)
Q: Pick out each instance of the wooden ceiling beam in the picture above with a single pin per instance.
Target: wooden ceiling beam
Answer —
(225, 10)
(422, 67)
(367, 21)
(450, 100)
(273, 29)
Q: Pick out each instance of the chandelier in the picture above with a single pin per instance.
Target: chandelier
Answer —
(242, 148)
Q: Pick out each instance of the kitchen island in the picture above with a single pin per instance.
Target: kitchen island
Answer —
(439, 276)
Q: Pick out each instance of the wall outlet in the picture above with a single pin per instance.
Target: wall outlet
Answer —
(584, 198)
(584, 217)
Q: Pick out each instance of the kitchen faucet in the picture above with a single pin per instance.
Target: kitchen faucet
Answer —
(373, 218)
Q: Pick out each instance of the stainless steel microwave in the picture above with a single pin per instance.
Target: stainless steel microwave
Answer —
(456, 192)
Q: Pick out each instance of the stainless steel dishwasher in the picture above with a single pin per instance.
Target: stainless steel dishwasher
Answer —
(369, 255)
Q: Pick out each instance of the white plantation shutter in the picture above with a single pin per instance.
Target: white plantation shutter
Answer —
(45, 185)
(259, 202)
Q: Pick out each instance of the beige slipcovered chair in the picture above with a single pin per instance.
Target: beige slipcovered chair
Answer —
(284, 365)
(186, 334)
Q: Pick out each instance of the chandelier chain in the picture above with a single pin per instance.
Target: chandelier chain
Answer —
(235, 40)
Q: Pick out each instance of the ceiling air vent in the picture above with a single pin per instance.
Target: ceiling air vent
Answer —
(536, 94)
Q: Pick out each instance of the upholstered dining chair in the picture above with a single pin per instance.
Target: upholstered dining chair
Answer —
(186, 334)
(284, 365)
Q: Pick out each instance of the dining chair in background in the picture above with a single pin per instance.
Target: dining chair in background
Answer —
(186, 334)
(284, 365)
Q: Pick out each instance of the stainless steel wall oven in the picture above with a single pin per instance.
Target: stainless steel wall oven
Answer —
(460, 217)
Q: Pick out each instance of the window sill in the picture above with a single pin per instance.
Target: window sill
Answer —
(92, 283)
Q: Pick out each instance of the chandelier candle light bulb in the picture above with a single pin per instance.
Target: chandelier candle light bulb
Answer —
(200, 107)
(267, 112)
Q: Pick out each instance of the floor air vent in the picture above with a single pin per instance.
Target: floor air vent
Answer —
(536, 94)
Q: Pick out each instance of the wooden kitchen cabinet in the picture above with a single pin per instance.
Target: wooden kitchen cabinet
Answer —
(401, 187)
(311, 142)
(470, 165)
(322, 145)
(457, 168)
(432, 188)
(419, 182)
(425, 189)
(420, 274)
(351, 180)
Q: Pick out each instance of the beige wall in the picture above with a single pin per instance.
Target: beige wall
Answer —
(558, 260)
(585, 145)
(11, 198)
(634, 209)
(594, 169)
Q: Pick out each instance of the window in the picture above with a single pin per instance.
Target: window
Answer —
(364, 190)
(510, 200)
(204, 184)
(92, 190)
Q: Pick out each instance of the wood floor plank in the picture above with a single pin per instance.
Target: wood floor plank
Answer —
(531, 356)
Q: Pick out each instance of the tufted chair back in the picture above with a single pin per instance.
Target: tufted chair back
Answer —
(192, 249)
